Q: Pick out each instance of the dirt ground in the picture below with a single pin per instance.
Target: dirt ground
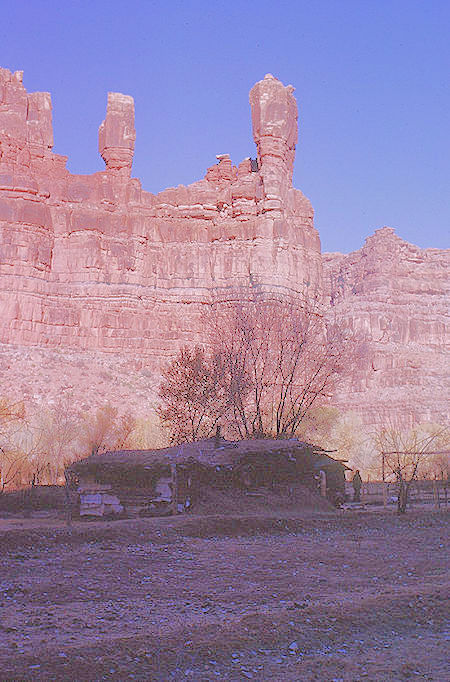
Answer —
(332, 596)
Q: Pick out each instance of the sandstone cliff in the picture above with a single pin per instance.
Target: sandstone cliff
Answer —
(94, 262)
(95, 269)
(396, 296)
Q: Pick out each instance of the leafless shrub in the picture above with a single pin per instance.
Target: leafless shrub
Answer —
(405, 452)
(105, 429)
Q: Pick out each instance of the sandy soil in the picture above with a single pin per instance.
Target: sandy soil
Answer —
(337, 596)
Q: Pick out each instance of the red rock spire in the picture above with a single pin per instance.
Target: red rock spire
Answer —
(117, 135)
(275, 131)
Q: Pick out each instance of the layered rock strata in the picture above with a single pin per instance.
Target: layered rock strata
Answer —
(396, 297)
(96, 263)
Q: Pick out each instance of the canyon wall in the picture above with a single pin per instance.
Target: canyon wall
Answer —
(101, 282)
(395, 296)
(95, 262)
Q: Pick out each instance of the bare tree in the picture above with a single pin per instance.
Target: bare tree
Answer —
(12, 460)
(438, 466)
(148, 433)
(28, 442)
(10, 412)
(192, 400)
(105, 429)
(404, 451)
(279, 359)
(269, 362)
(13, 466)
(56, 430)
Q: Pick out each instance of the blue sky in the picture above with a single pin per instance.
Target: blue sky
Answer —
(371, 80)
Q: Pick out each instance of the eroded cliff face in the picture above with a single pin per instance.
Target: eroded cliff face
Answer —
(101, 282)
(96, 263)
(396, 297)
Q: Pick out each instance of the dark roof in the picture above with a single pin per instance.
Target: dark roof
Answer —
(208, 452)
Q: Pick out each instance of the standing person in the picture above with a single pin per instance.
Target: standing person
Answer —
(356, 483)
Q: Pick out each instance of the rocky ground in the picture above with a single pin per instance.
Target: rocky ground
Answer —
(335, 596)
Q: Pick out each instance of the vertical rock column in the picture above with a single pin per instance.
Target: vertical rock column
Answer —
(39, 123)
(117, 135)
(274, 120)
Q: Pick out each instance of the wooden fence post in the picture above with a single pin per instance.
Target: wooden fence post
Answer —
(435, 495)
(323, 483)
(68, 506)
(174, 489)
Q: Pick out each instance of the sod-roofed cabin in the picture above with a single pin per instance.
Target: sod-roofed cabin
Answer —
(168, 481)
